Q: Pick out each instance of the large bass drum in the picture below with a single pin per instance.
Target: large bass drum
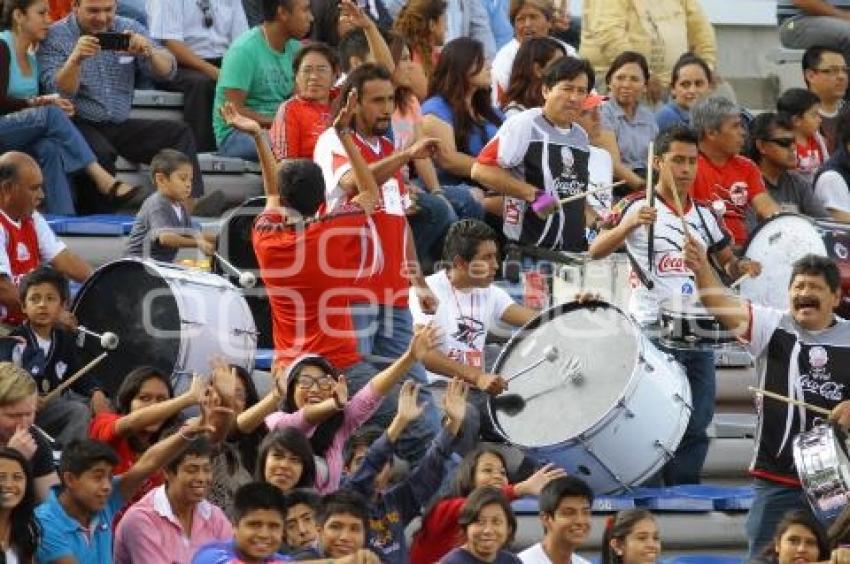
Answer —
(603, 402)
(234, 244)
(166, 316)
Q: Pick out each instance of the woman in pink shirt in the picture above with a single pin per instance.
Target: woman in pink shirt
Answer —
(315, 401)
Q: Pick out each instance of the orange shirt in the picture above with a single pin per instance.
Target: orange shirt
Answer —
(736, 183)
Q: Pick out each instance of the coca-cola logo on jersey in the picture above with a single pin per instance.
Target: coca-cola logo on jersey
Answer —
(672, 263)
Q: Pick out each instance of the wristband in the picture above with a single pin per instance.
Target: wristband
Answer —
(437, 192)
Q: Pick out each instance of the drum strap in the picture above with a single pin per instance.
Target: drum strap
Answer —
(724, 278)
(644, 279)
(558, 257)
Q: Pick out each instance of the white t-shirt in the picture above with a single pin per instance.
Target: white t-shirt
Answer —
(600, 168)
(670, 276)
(464, 316)
(49, 244)
(536, 555)
(11, 556)
(832, 191)
(183, 20)
(503, 64)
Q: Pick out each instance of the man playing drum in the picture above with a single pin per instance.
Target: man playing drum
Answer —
(664, 275)
(802, 353)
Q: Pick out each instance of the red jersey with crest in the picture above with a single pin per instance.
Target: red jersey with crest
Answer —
(670, 276)
(736, 183)
(388, 281)
(21, 244)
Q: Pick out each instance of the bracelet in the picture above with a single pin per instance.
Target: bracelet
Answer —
(437, 192)
(182, 434)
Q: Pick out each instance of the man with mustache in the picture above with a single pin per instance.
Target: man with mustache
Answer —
(803, 353)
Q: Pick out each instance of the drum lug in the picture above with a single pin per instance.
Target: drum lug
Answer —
(667, 452)
(238, 331)
(189, 322)
(678, 396)
(628, 413)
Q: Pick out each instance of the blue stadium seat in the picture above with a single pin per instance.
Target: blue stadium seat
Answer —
(703, 559)
(263, 360)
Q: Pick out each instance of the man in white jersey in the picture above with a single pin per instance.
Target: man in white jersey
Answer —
(664, 275)
(802, 353)
(469, 306)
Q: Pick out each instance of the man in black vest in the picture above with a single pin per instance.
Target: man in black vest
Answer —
(802, 353)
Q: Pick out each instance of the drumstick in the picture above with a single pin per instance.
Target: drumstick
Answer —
(76, 376)
(742, 278)
(650, 191)
(546, 203)
(678, 202)
(786, 399)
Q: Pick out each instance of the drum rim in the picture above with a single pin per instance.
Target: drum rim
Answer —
(770, 220)
(549, 314)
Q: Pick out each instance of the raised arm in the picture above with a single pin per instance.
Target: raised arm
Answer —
(143, 418)
(245, 123)
(425, 338)
(377, 44)
(500, 180)
(730, 310)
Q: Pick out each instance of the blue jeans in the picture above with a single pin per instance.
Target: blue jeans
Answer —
(466, 207)
(686, 465)
(51, 138)
(238, 145)
(383, 334)
(770, 504)
(429, 226)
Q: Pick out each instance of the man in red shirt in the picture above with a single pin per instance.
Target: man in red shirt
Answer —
(722, 174)
(26, 241)
(380, 312)
(311, 266)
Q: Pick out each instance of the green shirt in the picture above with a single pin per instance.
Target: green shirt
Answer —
(264, 74)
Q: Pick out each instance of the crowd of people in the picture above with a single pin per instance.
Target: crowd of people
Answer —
(422, 161)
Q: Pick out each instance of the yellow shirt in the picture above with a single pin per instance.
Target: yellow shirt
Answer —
(661, 30)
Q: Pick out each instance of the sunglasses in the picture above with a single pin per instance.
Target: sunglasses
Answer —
(204, 5)
(785, 142)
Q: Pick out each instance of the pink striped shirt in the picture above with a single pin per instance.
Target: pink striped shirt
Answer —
(357, 411)
(149, 532)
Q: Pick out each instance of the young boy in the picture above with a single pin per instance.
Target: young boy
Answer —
(45, 349)
(258, 517)
(76, 518)
(301, 532)
(163, 225)
(392, 507)
(803, 106)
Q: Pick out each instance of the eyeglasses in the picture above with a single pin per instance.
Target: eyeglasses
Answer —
(832, 71)
(786, 142)
(204, 5)
(324, 383)
(319, 71)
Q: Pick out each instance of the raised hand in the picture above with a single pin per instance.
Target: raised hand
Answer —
(425, 339)
(345, 117)
(408, 405)
(237, 121)
(645, 216)
(354, 13)
(535, 484)
(424, 148)
(340, 392)
(454, 401)
(493, 384)
(198, 388)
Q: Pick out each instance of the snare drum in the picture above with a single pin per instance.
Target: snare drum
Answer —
(820, 456)
(611, 408)
(609, 277)
(685, 324)
(172, 318)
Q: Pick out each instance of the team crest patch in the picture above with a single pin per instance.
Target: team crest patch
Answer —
(818, 357)
(23, 252)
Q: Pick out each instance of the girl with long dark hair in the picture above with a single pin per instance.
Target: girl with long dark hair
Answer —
(19, 530)
(631, 537)
(458, 112)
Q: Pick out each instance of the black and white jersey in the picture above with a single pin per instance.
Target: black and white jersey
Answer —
(554, 160)
(811, 367)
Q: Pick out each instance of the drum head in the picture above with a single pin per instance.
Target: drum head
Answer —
(597, 352)
(130, 300)
(234, 244)
(776, 244)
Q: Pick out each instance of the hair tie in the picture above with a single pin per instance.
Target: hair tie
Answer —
(609, 523)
